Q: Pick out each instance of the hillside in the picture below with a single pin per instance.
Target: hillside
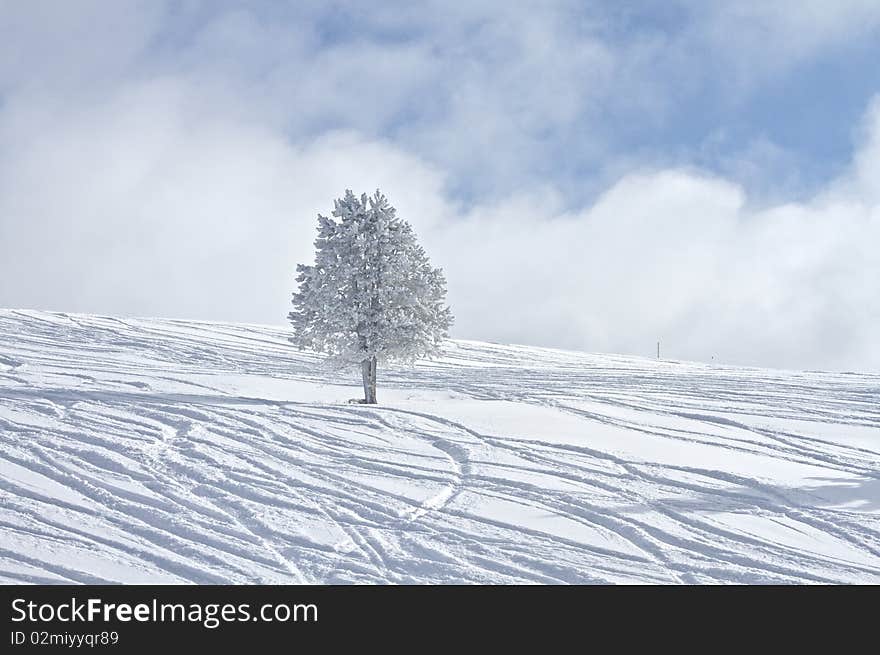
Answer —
(189, 452)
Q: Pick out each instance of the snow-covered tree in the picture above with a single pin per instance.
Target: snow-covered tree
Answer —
(372, 295)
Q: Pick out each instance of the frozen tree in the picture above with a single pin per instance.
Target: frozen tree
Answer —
(371, 295)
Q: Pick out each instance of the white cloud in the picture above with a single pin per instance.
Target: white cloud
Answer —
(133, 185)
(62, 47)
(137, 208)
(677, 256)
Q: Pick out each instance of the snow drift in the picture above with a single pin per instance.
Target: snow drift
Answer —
(165, 451)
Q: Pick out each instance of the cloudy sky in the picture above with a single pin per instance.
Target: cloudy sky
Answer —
(590, 175)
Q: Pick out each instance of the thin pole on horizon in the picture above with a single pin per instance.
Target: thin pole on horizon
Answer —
(658, 350)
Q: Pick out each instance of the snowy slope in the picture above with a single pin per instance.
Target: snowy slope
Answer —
(173, 451)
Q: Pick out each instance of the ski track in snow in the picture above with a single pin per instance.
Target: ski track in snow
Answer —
(165, 451)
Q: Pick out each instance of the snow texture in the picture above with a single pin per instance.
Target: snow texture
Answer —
(164, 451)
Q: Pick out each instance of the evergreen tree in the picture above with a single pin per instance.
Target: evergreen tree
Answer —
(371, 295)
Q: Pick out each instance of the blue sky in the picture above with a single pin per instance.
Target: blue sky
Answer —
(187, 147)
(685, 95)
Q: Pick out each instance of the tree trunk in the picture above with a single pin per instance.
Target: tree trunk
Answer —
(373, 380)
(368, 373)
(365, 374)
